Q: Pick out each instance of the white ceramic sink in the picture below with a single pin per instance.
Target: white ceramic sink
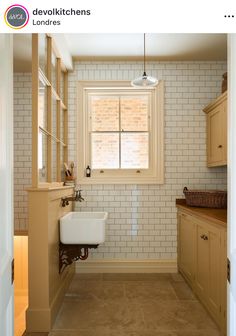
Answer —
(83, 228)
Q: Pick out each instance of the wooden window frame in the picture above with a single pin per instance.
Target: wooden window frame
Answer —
(61, 138)
(153, 175)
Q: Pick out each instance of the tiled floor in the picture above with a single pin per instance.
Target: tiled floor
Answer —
(132, 305)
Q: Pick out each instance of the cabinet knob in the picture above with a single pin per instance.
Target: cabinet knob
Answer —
(220, 146)
(204, 237)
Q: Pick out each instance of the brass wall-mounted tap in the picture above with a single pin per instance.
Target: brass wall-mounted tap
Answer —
(77, 197)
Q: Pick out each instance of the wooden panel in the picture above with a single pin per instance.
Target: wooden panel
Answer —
(202, 262)
(217, 131)
(214, 272)
(215, 136)
(186, 242)
(46, 286)
(35, 88)
(208, 253)
(224, 132)
(223, 281)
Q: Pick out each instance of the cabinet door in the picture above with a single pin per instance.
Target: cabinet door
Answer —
(216, 135)
(186, 237)
(202, 261)
(208, 256)
(224, 132)
(224, 281)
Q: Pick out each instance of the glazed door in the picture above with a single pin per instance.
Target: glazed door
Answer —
(6, 187)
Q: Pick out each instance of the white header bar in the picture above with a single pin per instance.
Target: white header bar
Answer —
(119, 16)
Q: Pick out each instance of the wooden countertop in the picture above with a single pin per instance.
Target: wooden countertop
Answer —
(219, 216)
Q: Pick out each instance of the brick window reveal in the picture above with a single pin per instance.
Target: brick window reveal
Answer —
(120, 133)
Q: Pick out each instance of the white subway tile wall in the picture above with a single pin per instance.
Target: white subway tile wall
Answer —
(142, 218)
(22, 148)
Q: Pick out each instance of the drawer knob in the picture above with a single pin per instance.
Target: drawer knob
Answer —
(204, 237)
(220, 146)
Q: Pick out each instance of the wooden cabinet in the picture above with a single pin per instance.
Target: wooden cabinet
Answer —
(207, 280)
(217, 131)
(186, 233)
(202, 261)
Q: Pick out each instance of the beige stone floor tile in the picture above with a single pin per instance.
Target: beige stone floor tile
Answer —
(114, 332)
(176, 316)
(144, 292)
(183, 291)
(136, 277)
(88, 276)
(36, 334)
(143, 332)
(132, 305)
(177, 277)
(109, 314)
(199, 333)
(96, 291)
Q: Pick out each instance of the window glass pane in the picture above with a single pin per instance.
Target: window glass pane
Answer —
(105, 150)
(62, 86)
(134, 150)
(62, 163)
(54, 72)
(54, 160)
(42, 157)
(42, 105)
(62, 125)
(54, 115)
(43, 53)
(134, 113)
(104, 113)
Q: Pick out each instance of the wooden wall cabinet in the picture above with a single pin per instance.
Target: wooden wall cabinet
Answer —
(202, 261)
(217, 131)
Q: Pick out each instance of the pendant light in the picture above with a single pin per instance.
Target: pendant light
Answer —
(144, 80)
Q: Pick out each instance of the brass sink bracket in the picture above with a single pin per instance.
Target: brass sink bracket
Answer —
(68, 253)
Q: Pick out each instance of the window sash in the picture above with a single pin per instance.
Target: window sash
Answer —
(120, 153)
(120, 96)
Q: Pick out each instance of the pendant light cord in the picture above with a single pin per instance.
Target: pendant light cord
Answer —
(144, 50)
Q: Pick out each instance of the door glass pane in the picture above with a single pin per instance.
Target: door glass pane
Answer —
(42, 157)
(42, 105)
(134, 113)
(105, 150)
(134, 150)
(43, 53)
(104, 113)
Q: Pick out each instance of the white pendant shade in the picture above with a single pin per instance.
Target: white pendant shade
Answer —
(144, 80)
